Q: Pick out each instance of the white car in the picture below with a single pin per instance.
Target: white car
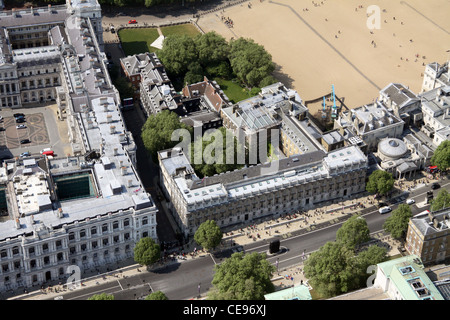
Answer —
(384, 210)
(21, 126)
(410, 201)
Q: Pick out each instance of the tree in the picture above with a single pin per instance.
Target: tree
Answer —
(158, 295)
(441, 157)
(242, 277)
(380, 182)
(370, 257)
(208, 235)
(397, 223)
(209, 154)
(441, 201)
(157, 132)
(101, 296)
(250, 61)
(177, 53)
(147, 251)
(353, 232)
(330, 269)
(212, 48)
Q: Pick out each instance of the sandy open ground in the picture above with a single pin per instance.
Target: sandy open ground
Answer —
(330, 42)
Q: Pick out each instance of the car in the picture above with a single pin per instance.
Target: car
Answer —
(20, 120)
(25, 154)
(48, 153)
(2, 129)
(384, 210)
(16, 115)
(435, 186)
(24, 141)
(382, 204)
(410, 201)
(132, 22)
(21, 126)
(45, 150)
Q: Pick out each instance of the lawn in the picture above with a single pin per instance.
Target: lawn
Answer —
(138, 40)
(233, 90)
(186, 29)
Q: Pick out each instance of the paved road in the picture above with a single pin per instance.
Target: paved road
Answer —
(179, 281)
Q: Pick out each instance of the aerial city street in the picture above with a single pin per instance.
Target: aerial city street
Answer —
(224, 150)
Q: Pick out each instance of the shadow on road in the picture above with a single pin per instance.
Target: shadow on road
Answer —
(166, 269)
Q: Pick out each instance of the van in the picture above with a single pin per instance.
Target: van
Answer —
(384, 210)
(45, 150)
(48, 153)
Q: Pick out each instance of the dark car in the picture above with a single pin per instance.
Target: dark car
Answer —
(25, 141)
(435, 186)
(16, 115)
(20, 120)
(382, 205)
(2, 129)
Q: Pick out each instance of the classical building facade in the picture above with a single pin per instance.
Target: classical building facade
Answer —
(79, 211)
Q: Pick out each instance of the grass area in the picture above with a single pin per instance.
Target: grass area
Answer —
(233, 90)
(138, 40)
(186, 29)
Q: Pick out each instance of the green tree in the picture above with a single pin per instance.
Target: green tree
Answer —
(250, 61)
(157, 132)
(177, 53)
(147, 251)
(242, 277)
(370, 257)
(397, 223)
(212, 48)
(441, 201)
(158, 295)
(208, 235)
(330, 270)
(101, 296)
(209, 154)
(441, 157)
(380, 182)
(353, 232)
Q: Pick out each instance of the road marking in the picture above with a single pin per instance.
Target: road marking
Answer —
(119, 284)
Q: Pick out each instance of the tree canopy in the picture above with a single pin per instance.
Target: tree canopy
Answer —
(101, 296)
(441, 201)
(242, 277)
(147, 251)
(380, 182)
(397, 223)
(250, 61)
(441, 157)
(157, 295)
(353, 232)
(208, 235)
(157, 132)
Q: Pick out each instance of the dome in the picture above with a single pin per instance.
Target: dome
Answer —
(392, 148)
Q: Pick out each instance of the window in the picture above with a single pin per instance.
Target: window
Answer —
(93, 230)
(82, 233)
(104, 228)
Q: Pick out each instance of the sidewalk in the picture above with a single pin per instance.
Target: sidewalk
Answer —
(283, 227)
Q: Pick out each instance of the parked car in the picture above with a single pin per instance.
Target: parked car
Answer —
(410, 201)
(132, 21)
(20, 120)
(48, 153)
(16, 115)
(385, 210)
(2, 129)
(435, 186)
(25, 154)
(21, 126)
(382, 204)
(24, 141)
(45, 150)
